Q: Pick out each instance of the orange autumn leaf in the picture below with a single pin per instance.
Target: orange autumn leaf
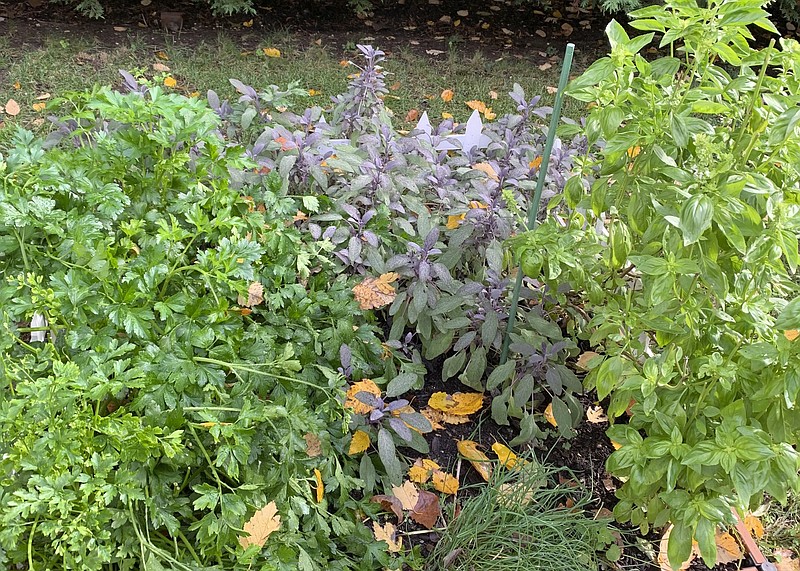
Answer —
(444, 482)
(754, 526)
(460, 404)
(534, 164)
(388, 533)
(489, 114)
(791, 334)
(548, 415)
(633, 152)
(408, 494)
(412, 115)
(373, 293)
(248, 23)
(320, 485)
(263, 523)
(39, 106)
(344, 63)
(422, 469)
(364, 386)
(170, 81)
(478, 106)
(359, 443)
(469, 450)
(447, 95)
(454, 221)
(728, 549)
(487, 169)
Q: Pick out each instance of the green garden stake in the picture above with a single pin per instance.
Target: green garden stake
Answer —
(533, 207)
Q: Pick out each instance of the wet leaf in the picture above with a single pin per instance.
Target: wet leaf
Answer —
(548, 415)
(461, 404)
(363, 386)
(447, 95)
(263, 523)
(388, 533)
(313, 445)
(320, 485)
(444, 482)
(272, 52)
(408, 494)
(12, 108)
(427, 510)
(469, 450)
(373, 293)
(359, 442)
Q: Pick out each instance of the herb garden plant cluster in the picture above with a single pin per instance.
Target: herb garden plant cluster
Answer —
(214, 320)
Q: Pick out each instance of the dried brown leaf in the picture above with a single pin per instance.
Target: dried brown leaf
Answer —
(373, 293)
(390, 503)
(427, 509)
(313, 445)
(388, 533)
(263, 523)
(12, 107)
(408, 494)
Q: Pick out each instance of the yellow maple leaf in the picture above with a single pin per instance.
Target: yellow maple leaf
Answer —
(506, 455)
(272, 52)
(454, 221)
(373, 293)
(548, 415)
(388, 533)
(420, 472)
(447, 95)
(363, 386)
(320, 485)
(487, 169)
(469, 450)
(263, 523)
(170, 81)
(459, 404)
(479, 106)
(444, 482)
(359, 443)
(489, 114)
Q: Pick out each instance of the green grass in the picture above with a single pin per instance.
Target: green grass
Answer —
(416, 80)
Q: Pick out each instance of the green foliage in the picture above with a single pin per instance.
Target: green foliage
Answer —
(159, 412)
(681, 252)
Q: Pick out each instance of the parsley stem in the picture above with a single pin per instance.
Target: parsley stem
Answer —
(30, 543)
(239, 367)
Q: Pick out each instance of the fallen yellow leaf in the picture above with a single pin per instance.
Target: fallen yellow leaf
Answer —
(548, 415)
(469, 450)
(272, 52)
(487, 169)
(17, 85)
(480, 106)
(616, 445)
(363, 386)
(388, 533)
(39, 106)
(408, 494)
(263, 523)
(255, 295)
(488, 114)
(505, 455)
(534, 164)
(170, 81)
(454, 221)
(596, 415)
(421, 471)
(162, 55)
(446, 115)
(320, 485)
(791, 334)
(754, 526)
(460, 404)
(444, 482)
(12, 107)
(359, 443)
(373, 293)
(447, 95)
